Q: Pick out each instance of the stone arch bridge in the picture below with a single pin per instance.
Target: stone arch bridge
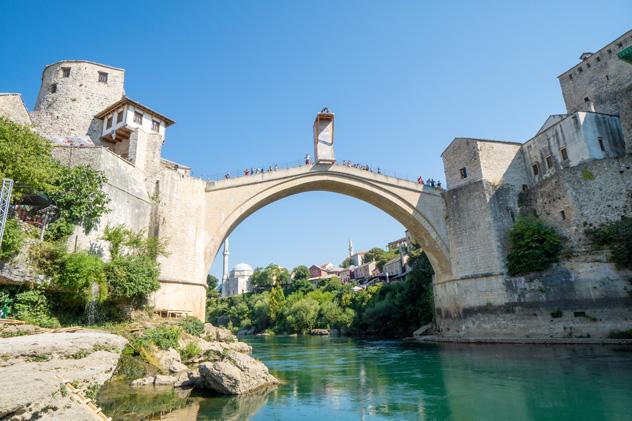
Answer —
(196, 216)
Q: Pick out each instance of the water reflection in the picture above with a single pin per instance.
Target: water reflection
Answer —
(342, 378)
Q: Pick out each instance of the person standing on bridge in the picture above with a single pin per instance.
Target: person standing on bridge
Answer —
(420, 180)
(308, 159)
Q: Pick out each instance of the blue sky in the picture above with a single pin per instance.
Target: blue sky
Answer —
(244, 79)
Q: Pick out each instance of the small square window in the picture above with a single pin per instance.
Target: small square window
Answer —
(53, 88)
(598, 59)
(549, 162)
(536, 169)
(119, 117)
(155, 125)
(609, 51)
(579, 69)
(620, 44)
(463, 172)
(564, 154)
(138, 118)
(588, 65)
(103, 77)
(65, 71)
(563, 214)
(570, 77)
(109, 123)
(601, 145)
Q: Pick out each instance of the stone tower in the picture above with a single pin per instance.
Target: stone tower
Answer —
(350, 248)
(72, 93)
(225, 270)
(324, 137)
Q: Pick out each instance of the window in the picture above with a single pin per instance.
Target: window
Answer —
(549, 162)
(564, 154)
(525, 187)
(155, 125)
(579, 69)
(138, 117)
(601, 146)
(609, 51)
(536, 170)
(588, 65)
(53, 88)
(463, 172)
(598, 59)
(109, 123)
(563, 214)
(570, 77)
(65, 71)
(119, 117)
(620, 44)
(103, 77)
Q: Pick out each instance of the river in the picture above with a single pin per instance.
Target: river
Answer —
(328, 379)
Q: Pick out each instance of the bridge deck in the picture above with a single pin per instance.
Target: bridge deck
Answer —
(318, 169)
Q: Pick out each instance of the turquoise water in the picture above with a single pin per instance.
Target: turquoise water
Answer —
(346, 379)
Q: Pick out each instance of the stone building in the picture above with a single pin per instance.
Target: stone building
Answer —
(238, 281)
(574, 173)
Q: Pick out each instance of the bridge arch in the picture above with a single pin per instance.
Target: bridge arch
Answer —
(417, 208)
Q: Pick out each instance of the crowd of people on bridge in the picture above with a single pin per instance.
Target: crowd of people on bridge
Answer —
(431, 182)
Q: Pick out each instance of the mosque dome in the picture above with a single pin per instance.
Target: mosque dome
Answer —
(241, 267)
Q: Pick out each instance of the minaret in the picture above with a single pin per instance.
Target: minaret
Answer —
(225, 273)
(350, 248)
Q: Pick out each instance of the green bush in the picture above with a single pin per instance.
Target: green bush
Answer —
(12, 239)
(131, 279)
(79, 195)
(48, 257)
(534, 246)
(80, 271)
(192, 326)
(58, 230)
(32, 307)
(617, 237)
(620, 334)
(191, 350)
(302, 315)
(164, 337)
(130, 368)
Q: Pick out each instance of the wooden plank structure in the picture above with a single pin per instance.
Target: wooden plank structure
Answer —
(78, 395)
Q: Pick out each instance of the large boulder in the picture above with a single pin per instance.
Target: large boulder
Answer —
(235, 374)
(169, 360)
(219, 334)
(33, 369)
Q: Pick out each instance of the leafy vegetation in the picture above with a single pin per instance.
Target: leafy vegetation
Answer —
(26, 157)
(164, 337)
(32, 306)
(534, 246)
(192, 326)
(380, 256)
(617, 237)
(265, 278)
(12, 239)
(79, 272)
(391, 310)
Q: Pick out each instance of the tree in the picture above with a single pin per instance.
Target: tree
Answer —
(277, 297)
(266, 278)
(346, 263)
(79, 197)
(26, 157)
(380, 256)
(80, 272)
(300, 272)
(302, 315)
(534, 246)
(211, 281)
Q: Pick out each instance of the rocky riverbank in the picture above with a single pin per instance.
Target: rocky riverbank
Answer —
(213, 360)
(34, 369)
(40, 368)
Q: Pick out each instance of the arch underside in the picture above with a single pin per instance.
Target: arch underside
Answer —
(381, 195)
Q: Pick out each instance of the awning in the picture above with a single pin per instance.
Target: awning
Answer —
(626, 54)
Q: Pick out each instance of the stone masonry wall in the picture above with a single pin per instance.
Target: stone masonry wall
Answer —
(12, 108)
(70, 110)
(606, 81)
(129, 202)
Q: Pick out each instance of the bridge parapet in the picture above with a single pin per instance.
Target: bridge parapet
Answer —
(319, 169)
